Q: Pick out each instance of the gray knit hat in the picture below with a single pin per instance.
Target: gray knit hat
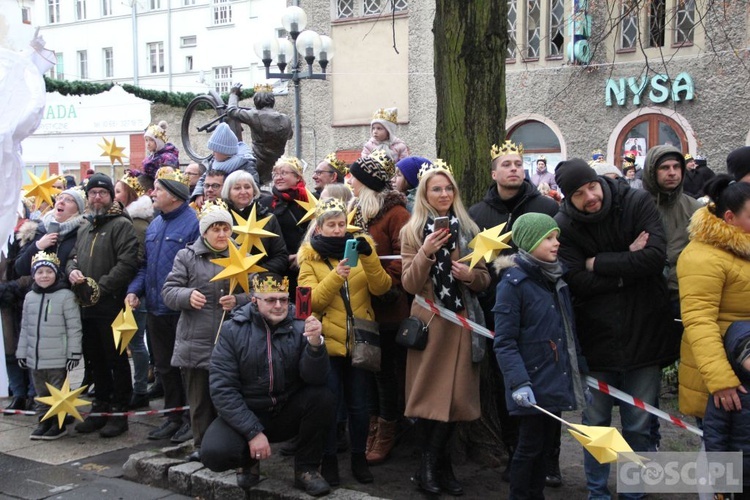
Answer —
(213, 212)
(531, 228)
(223, 140)
(77, 194)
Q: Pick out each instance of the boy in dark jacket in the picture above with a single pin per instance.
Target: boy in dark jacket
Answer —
(536, 347)
(730, 431)
(50, 341)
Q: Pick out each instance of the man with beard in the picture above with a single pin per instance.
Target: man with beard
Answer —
(509, 197)
(613, 244)
(106, 252)
(542, 174)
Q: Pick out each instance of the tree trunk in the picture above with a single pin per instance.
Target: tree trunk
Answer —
(470, 49)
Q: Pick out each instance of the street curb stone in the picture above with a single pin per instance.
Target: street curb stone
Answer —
(180, 477)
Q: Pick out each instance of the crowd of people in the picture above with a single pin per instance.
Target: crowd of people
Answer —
(603, 277)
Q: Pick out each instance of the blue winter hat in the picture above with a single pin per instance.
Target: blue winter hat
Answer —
(410, 166)
(223, 140)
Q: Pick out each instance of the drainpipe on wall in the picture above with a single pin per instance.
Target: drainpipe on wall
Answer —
(133, 16)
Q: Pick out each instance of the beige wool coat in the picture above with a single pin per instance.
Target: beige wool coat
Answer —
(442, 383)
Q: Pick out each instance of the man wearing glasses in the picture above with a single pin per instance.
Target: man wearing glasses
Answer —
(193, 172)
(328, 171)
(268, 382)
(106, 252)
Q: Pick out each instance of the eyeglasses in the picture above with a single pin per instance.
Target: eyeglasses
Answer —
(99, 193)
(212, 186)
(438, 190)
(272, 301)
(191, 174)
(318, 172)
(282, 173)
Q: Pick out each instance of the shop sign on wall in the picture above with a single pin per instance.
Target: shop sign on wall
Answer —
(660, 89)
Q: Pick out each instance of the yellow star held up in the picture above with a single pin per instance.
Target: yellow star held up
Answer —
(124, 328)
(252, 229)
(63, 402)
(238, 265)
(487, 245)
(604, 443)
(41, 188)
(310, 205)
(112, 151)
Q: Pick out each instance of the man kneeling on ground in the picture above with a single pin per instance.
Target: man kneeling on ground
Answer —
(268, 382)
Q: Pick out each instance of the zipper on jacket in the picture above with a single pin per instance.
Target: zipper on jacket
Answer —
(46, 311)
(269, 357)
(349, 321)
(38, 333)
(93, 242)
(554, 349)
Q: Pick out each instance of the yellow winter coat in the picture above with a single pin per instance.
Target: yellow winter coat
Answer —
(714, 281)
(366, 279)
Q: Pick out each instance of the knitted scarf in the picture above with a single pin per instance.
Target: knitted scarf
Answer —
(330, 246)
(444, 284)
(297, 192)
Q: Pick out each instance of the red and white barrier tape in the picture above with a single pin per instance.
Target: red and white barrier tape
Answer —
(109, 414)
(592, 382)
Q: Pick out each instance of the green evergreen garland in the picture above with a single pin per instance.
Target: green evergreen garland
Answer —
(176, 99)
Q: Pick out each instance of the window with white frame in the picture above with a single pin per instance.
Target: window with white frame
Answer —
(189, 41)
(628, 25)
(53, 11)
(533, 28)
(59, 68)
(109, 62)
(154, 4)
(223, 79)
(222, 12)
(106, 8)
(188, 63)
(512, 19)
(345, 9)
(556, 28)
(80, 10)
(684, 22)
(26, 15)
(656, 22)
(156, 57)
(83, 64)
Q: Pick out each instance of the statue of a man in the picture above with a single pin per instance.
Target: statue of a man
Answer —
(269, 129)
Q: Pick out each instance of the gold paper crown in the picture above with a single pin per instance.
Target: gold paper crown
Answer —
(45, 257)
(542, 158)
(174, 175)
(630, 158)
(390, 114)
(270, 285)
(339, 165)
(385, 161)
(506, 148)
(329, 205)
(293, 162)
(157, 132)
(436, 165)
(212, 206)
(132, 182)
(688, 157)
(262, 87)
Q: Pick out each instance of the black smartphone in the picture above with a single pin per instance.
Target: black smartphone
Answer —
(441, 223)
(53, 227)
(303, 302)
(350, 253)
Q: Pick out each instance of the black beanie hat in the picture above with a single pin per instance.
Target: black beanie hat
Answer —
(371, 173)
(99, 180)
(572, 174)
(738, 162)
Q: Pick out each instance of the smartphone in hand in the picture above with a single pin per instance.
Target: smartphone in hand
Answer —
(303, 302)
(53, 227)
(441, 223)
(350, 253)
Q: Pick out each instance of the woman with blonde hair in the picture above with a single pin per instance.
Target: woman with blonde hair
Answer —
(442, 381)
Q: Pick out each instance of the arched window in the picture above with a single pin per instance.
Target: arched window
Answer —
(647, 131)
(538, 139)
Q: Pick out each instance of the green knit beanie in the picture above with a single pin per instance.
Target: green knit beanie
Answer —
(530, 229)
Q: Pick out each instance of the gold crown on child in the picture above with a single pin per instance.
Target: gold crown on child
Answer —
(132, 182)
(385, 161)
(388, 114)
(262, 87)
(45, 257)
(212, 206)
(270, 285)
(506, 148)
(173, 175)
(436, 165)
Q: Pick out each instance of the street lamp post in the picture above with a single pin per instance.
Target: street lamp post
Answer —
(309, 45)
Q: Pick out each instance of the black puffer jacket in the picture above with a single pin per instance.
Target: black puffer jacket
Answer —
(240, 380)
(276, 259)
(622, 308)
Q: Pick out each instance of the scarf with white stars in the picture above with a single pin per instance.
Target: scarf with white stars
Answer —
(445, 285)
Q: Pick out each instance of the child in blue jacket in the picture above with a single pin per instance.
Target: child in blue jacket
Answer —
(536, 347)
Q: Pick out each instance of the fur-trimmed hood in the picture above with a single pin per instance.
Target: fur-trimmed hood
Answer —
(307, 252)
(142, 208)
(707, 228)
(27, 231)
(504, 262)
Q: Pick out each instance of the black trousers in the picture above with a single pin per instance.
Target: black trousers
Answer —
(163, 330)
(111, 369)
(308, 414)
(536, 438)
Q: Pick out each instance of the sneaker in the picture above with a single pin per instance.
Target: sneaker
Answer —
(41, 429)
(115, 426)
(17, 404)
(312, 483)
(55, 432)
(92, 424)
(165, 431)
(184, 433)
(155, 390)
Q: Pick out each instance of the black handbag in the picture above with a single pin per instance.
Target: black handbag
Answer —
(412, 333)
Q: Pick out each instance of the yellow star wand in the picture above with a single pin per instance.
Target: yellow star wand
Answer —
(252, 229)
(112, 151)
(487, 245)
(63, 402)
(310, 205)
(124, 328)
(40, 188)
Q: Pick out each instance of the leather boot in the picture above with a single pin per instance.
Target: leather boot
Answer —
(115, 425)
(91, 424)
(360, 470)
(372, 434)
(552, 475)
(384, 441)
(447, 480)
(427, 477)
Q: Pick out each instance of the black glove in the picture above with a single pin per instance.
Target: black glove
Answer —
(22, 363)
(71, 364)
(363, 247)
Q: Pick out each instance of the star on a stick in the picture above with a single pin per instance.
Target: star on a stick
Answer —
(310, 205)
(238, 265)
(487, 245)
(252, 229)
(112, 151)
(63, 402)
(41, 188)
(604, 443)
(124, 328)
